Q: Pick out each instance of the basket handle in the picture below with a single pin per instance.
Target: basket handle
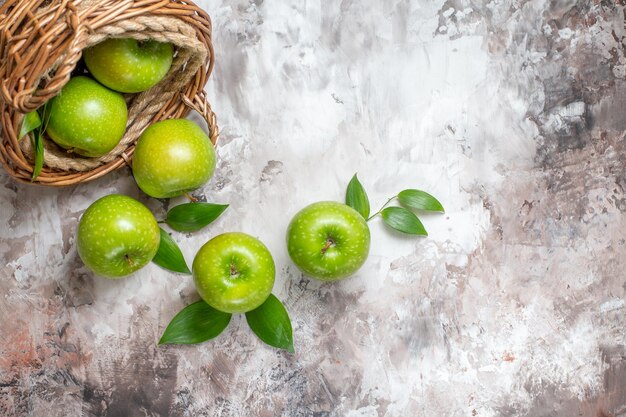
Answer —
(200, 104)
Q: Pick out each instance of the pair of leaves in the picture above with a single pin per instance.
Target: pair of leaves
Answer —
(188, 217)
(200, 322)
(398, 218)
(32, 123)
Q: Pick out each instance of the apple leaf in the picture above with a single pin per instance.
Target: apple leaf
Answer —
(271, 323)
(169, 255)
(191, 217)
(356, 197)
(403, 220)
(31, 122)
(419, 200)
(38, 150)
(198, 322)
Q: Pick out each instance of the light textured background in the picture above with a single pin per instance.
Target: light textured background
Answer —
(512, 112)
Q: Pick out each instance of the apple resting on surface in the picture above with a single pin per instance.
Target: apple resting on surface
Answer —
(173, 157)
(86, 117)
(129, 65)
(328, 240)
(234, 272)
(117, 235)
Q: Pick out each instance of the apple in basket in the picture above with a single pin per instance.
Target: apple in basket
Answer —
(129, 65)
(86, 118)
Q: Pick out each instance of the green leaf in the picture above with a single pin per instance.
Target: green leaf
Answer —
(356, 197)
(31, 122)
(403, 220)
(270, 322)
(45, 114)
(198, 322)
(37, 142)
(190, 217)
(419, 200)
(169, 255)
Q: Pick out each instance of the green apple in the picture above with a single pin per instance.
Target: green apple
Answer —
(117, 235)
(129, 65)
(234, 272)
(328, 240)
(86, 117)
(173, 157)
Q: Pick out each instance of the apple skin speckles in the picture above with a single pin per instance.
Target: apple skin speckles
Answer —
(129, 65)
(173, 157)
(87, 118)
(117, 235)
(234, 272)
(328, 240)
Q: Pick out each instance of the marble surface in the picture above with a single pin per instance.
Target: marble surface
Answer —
(512, 112)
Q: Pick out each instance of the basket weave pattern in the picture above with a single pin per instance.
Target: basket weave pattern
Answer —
(41, 42)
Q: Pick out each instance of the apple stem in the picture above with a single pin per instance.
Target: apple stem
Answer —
(233, 270)
(329, 243)
(381, 209)
(130, 261)
(191, 198)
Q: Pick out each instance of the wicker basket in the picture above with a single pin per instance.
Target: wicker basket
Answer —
(41, 43)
